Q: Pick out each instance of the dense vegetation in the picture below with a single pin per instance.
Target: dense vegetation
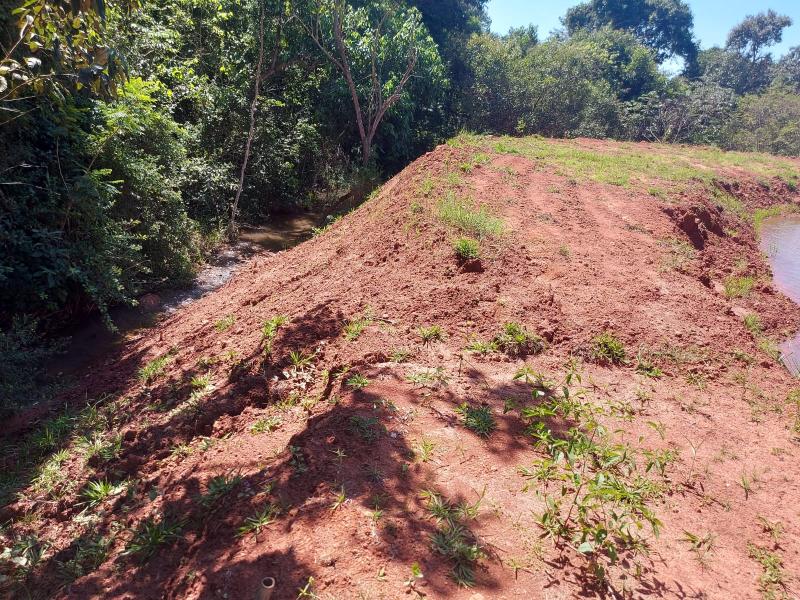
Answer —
(133, 136)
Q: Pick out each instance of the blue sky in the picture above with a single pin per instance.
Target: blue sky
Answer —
(712, 18)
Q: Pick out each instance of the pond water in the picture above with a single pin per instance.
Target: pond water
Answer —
(780, 241)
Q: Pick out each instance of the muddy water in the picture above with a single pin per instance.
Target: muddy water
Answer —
(780, 241)
(91, 339)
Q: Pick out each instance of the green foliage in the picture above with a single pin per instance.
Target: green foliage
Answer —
(357, 381)
(517, 341)
(153, 369)
(261, 519)
(665, 26)
(150, 535)
(607, 349)
(467, 249)
(478, 418)
(596, 499)
(431, 333)
(369, 429)
(453, 539)
(465, 216)
(739, 286)
(98, 491)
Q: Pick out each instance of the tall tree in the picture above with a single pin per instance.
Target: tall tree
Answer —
(756, 33)
(665, 26)
(376, 49)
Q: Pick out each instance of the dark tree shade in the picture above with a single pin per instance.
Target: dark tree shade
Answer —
(665, 26)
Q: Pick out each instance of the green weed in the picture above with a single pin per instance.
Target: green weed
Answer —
(772, 581)
(467, 249)
(357, 382)
(478, 418)
(739, 286)
(464, 216)
(97, 492)
(369, 429)
(607, 349)
(266, 425)
(430, 378)
(153, 369)
(430, 334)
(225, 323)
(258, 521)
(150, 535)
(516, 341)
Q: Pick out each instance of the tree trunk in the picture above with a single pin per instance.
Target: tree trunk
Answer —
(251, 131)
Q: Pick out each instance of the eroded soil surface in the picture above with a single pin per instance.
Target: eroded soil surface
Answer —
(344, 470)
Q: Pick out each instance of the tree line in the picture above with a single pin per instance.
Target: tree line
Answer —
(136, 135)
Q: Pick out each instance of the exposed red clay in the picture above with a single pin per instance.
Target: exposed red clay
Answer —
(577, 259)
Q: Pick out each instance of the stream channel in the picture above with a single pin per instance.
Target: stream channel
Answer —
(780, 241)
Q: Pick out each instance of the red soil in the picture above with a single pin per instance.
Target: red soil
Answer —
(577, 259)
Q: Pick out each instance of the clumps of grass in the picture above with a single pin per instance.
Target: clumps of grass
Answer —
(753, 324)
(400, 355)
(356, 327)
(154, 369)
(91, 551)
(430, 334)
(357, 382)
(645, 366)
(478, 418)
(218, 487)
(266, 425)
(269, 331)
(225, 323)
(259, 520)
(739, 286)
(514, 340)
(97, 492)
(150, 535)
(453, 539)
(464, 216)
(481, 347)
(679, 254)
(369, 429)
(429, 378)
(467, 249)
(773, 579)
(330, 222)
(607, 349)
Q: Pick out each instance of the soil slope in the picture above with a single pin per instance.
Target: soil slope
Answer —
(653, 244)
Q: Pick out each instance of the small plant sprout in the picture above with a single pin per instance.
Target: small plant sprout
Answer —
(266, 425)
(702, 546)
(153, 369)
(368, 429)
(357, 381)
(339, 499)
(739, 286)
(424, 450)
(414, 576)
(607, 349)
(467, 249)
(773, 528)
(269, 331)
(430, 378)
(773, 579)
(478, 418)
(261, 519)
(96, 492)
(219, 487)
(646, 367)
(400, 355)
(430, 334)
(481, 347)
(225, 323)
(356, 327)
(150, 535)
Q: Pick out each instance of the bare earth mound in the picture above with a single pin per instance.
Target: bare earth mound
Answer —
(375, 442)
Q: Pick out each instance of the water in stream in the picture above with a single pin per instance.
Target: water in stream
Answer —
(91, 339)
(780, 241)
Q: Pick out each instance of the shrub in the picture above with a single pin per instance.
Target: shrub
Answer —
(515, 340)
(467, 248)
(607, 349)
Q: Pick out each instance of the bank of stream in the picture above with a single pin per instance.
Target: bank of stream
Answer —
(780, 241)
(91, 339)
